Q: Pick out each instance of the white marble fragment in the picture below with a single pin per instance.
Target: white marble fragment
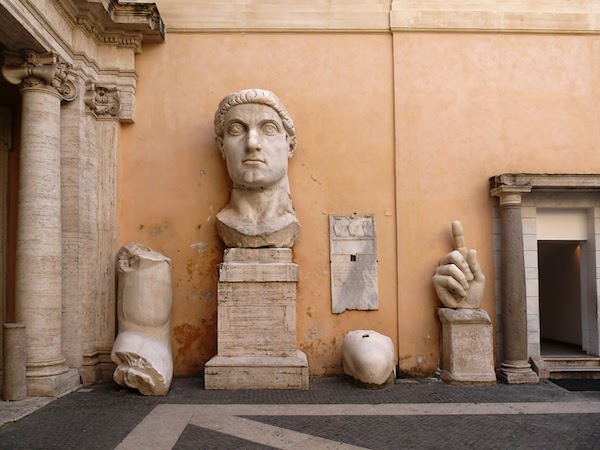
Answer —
(256, 137)
(368, 356)
(458, 280)
(142, 349)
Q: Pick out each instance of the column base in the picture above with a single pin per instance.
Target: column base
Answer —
(257, 372)
(517, 374)
(53, 385)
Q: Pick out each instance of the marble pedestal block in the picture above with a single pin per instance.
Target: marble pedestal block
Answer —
(256, 331)
(467, 346)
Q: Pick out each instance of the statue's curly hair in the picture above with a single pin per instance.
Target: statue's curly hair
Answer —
(258, 96)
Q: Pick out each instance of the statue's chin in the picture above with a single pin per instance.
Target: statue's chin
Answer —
(256, 179)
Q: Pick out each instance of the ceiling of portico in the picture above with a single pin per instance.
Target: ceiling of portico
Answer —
(13, 36)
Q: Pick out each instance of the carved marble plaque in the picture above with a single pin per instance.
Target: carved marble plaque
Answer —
(353, 260)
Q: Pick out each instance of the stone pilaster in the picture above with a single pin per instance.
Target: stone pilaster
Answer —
(44, 83)
(515, 369)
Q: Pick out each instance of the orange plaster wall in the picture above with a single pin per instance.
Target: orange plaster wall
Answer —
(172, 181)
(470, 106)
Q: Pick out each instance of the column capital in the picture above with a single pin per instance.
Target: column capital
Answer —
(510, 195)
(33, 70)
(103, 101)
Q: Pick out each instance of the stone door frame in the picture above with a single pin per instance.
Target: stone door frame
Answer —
(552, 191)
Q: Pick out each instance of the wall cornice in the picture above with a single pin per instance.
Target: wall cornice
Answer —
(526, 16)
(283, 16)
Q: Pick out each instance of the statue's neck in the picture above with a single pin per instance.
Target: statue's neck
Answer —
(261, 205)
(283, 184)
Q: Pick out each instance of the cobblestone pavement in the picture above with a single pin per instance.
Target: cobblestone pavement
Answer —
(411, 414)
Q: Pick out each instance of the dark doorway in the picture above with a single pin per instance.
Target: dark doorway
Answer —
(560, 297)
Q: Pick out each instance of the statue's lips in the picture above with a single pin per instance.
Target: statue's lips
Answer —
(253, 162)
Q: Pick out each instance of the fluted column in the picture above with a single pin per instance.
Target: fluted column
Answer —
(44, 84)
(515, 369)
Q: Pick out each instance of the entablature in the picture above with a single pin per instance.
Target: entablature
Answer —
(546, 181)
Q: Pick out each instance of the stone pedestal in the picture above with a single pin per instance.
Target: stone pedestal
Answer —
(14, 386)
(467, 346)
(256, 333)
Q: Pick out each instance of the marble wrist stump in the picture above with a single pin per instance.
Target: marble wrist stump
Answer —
(256, 332)
(467, 338)
(142, 350)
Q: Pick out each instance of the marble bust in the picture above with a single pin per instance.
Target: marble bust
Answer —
(256, 137)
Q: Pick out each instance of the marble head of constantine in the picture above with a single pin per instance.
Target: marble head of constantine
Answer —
(256, 138)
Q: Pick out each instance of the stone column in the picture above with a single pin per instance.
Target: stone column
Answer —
(44, 84)
(515, 369)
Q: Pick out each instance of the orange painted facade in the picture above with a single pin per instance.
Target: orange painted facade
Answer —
(408, 126)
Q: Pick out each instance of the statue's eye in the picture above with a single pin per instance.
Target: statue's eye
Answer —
(270, 129)
(236, 129)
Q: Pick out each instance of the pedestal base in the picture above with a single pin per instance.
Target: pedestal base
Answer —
(467, 347)
(54, 385)
(257, 372)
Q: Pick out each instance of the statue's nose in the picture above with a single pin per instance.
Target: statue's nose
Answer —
(253, 142)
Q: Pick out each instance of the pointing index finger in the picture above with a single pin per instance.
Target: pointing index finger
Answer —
(458, 236)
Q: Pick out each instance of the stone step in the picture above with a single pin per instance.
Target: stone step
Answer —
(568, 372)
(585, 361)
(561, 367)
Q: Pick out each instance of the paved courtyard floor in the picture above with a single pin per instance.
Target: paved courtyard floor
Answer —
(333, 414)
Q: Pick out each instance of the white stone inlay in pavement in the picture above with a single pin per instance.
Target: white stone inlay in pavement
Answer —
(161, 429)
(266, 434)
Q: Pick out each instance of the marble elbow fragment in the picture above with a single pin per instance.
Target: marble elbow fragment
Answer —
(142, 349)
